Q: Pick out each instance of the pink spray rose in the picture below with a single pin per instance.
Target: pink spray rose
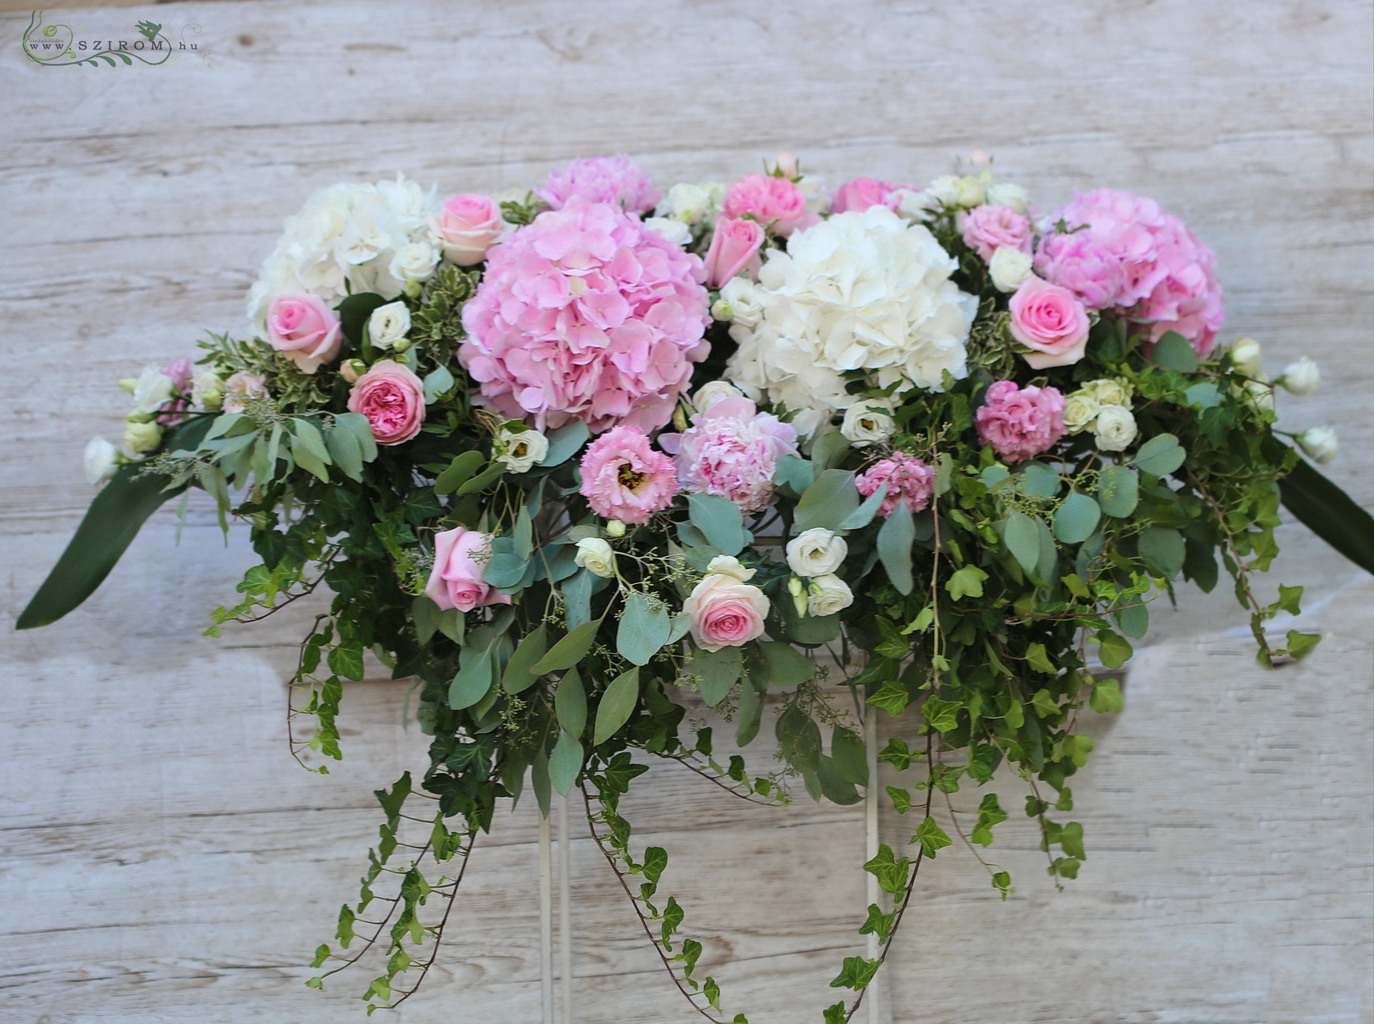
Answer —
(600, 179)
(725, 611)
(734, 247)
(1051, 320)
(910, 482)
(773, 202)
(240, 388)
(623, 478)
(1020, 423)
(393, 400)
(861, 193)
(732, 449)
(304, 329)
(468, 225)
(989, 227)
(180, 373)
(456, 579)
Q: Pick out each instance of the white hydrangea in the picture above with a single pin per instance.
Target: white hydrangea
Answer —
(860, 291)
(346, 237)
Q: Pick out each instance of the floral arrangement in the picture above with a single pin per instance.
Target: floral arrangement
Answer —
(584, 456)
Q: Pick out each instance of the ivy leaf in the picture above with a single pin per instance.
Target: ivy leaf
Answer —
(719, 671)
(644, 628)
(617, 704)
(892, 697)
(570, 703)
(565, 763)
(895, 538)
(347, 660)
(892, 872)
(966, 582)
(1106, 697)
(941, 715)
(931, 837)
(1115, 650)
(856, 973)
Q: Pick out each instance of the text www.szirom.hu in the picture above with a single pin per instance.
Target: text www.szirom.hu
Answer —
(92, 45)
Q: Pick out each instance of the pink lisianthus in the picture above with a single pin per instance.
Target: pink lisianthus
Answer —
(862, 193)
(600, 179)
(725, 611)
(240, 387)
(456, 579)
(468, 225)
(1050, 320)
(586, 314)
(989, 227)
(732, 449)
(776, 203)
(180, 373)
(304, 329)
(623, 478)
(1020, 423)
(735, 246)
(393, 400)
(910, 482)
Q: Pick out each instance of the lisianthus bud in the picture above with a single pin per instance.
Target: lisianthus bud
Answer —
(142, 437)
(615, 528)
(1246, 356)
(352, 369)
(797, 589)
(1302, 377)
(1319, 443)
(101, 460)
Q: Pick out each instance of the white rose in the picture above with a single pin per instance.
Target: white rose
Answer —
(101, 460)
(670, 228)
(1008, 268)
(729, 565)
(388, 324)
(687, 203)
(152, 388)
(1013, 196)
(1111, 391)
(414, 262)
(1319, 443)
(1080, 409)
(1245, 356)
(519, 450)
(828, 595)
(1302, 378)
(596, 556)
(868, 422)
(142, 437)
(1115, 428)
(745, 302)
(712, 392)
(816, 552)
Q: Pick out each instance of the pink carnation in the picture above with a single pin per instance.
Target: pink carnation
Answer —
(1020, 423)
(586, 314)
(732, 450)
(456, 579)
(600, 179)
(989, 227)
(776, 203)
(174, 411)
(623, 478)
(862, 193)
(910, 482)
(1127, 252)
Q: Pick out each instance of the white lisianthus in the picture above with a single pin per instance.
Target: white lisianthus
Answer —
(207, 390)
(388, 324)
(596, 556)
(670, 228)
(1115, 428)
(729, 565)
(868, 422)
(142, 437)
(744, 301)
(1111, 391)
(818, 198)
(944, 190)
(1246, 355)
(712, 392)
(152, 389)
(828, 595)
(915, 205)
(101, 460)
(414, 262)
(1013, 196)
(860, 291)
(1319, 444)
(691, 203)
(1302, 377)
(816, 552)
(1080, 410)
(520, 450)
(1009, 268)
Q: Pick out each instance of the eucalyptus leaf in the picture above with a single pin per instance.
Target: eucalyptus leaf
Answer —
(799, 739)
(850, 757)
(1076, 518)
(1174, 352)
(1160, 455)
(616, 705)
(565, 442)
(459, 471)
(346, 451)
(436, 383)
(1164, 548)
(719, 671)
(1328, 512)
(1023, 540)
(569, 650)
(748, 715)
(794, 473)
(519, 674)
(863, 515)
(719, 520)
(1118, 491)
(786, 665)
(474, 678)
(565, 763)
(895, 538)
(827, 502)
(644, 628)
(570, 703)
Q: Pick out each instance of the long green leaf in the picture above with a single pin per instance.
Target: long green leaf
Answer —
(1330, 513)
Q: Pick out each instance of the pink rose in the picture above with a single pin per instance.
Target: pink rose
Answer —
(1051, 320)
(393, 400)
(456, 579)
(725, 612)
(773, 202)
(304, 329)
(468, 225)
(623, 478)
(862, 193)
(734, 247)
(989, 227)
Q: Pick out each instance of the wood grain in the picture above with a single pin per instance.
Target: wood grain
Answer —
(161, 857)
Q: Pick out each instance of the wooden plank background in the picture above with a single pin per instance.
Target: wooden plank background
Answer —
(161, 857)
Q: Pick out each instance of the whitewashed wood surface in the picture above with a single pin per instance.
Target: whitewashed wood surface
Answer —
(162, 859)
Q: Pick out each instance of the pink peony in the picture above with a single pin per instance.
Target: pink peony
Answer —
(623, 478)
(732, 449)
(586, 314)
(1123, 250)
(989, 227)
(734, 248)
(910, 482)
(456, 579)
(174, 411)
(393, 400)
(1050, 320)
(775, 203)
(468, 225)
(724, 611)
(861, 193)
(600, 179)
(304, 329)
(1020, 423)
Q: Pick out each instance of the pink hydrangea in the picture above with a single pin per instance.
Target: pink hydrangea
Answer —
(586, 314)
(732, 450)
(1128, 252)
(600, 179)
(862, 193)
(991, 226)
(1020, 423)
(179, 373)
(623, 478)
(910, 482)
(774, 202)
